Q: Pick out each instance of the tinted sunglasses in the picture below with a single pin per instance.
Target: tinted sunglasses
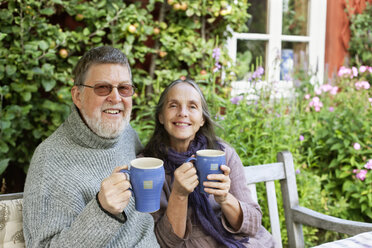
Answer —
(105, 89)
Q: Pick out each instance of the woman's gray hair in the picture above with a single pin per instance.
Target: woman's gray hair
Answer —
(99, 55)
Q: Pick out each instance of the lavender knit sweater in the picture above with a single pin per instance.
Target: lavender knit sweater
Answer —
(60, 209)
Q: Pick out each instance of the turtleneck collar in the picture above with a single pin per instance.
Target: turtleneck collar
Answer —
(83, 135)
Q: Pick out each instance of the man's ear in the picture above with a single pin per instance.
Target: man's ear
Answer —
(76, 96)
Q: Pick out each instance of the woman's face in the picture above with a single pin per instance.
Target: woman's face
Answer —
(182, 115)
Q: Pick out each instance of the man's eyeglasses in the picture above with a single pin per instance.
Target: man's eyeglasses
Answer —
(104, 89)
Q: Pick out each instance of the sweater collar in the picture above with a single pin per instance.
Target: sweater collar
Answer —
(83, 135)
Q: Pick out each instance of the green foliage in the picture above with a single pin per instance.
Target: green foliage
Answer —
(41, 41)
(332, 139)
(360, 44)
(319, 126)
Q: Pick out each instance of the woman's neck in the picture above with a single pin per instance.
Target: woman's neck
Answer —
(180, 147)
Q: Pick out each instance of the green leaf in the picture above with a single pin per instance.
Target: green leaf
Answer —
(3, 165)
(189, 12)
(130, 39)
(3, 147)
(2, 36)
(48, 84)
(86, 31)
(100, 32)
(43, 45)
(10, 69)
(26, 96)
(96, 39)
(47, 11)
(344, 174)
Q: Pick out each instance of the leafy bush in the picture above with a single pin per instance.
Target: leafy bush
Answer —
(337, 144)
(360, 48)
(41, 41)
(327, 129)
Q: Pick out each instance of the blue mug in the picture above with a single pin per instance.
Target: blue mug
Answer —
(207, 162)
(146, 176)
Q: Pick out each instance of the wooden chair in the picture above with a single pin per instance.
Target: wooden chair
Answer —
(11, 228)
(295, 215)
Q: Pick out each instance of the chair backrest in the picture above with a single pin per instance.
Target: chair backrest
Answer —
(269, 173)
(11, 227)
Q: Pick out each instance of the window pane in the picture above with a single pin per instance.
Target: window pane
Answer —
(295, 17)
(258, 11)
(293, 60)
(250, 54)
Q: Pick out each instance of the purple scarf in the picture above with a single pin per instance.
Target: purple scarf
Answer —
(202, 209)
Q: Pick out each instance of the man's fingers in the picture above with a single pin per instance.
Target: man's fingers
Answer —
(119, 168)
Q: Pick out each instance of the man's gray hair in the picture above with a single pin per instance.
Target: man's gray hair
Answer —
(99, 55)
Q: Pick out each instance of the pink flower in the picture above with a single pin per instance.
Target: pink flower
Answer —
(361, 175)
(334, 90)
(316, 103)
(368, 165)
(307, 96)
(301, 138)
(363, 68)
(331, 109)
(344, 71)
(356, 146)
(355, 71)
(362, 85)
(326, 87)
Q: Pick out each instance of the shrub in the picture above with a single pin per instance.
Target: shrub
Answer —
(41, 41)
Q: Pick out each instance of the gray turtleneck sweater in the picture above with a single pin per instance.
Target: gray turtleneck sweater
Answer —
(66, 170)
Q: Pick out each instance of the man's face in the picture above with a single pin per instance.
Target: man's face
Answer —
(107, 116)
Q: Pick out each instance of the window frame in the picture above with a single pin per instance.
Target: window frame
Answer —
(317, 13)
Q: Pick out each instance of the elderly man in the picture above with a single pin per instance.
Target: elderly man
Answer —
(74, 194)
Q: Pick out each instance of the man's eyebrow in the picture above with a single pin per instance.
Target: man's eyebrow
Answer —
(122, 82)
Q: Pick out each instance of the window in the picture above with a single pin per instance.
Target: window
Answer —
(284, 36)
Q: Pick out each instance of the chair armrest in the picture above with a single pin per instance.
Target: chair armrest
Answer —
(312, 218)
(12, 196)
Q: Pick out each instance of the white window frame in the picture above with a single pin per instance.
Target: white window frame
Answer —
(316, 39)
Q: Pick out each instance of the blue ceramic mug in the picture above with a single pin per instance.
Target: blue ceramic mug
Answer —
(146, 176)
(207, 162)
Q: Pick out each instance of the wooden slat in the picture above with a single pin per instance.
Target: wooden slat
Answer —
(274, 214)
(12, 196)
(290, 200)
(264, 173)
(312, 218)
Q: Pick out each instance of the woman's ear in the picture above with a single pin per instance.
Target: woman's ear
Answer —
(161, 119)
(202, 122)
(76, 96)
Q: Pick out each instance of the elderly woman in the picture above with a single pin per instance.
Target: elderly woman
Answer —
(224, 217)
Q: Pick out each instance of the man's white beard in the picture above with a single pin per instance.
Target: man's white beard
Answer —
(106, 128)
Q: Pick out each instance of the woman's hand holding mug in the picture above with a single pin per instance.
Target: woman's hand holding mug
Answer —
(185, 180)
(220, 185)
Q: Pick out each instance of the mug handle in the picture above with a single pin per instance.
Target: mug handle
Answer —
(128, 177)
(190, 159)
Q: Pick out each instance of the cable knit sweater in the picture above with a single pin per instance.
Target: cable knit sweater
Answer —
(60, 208)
